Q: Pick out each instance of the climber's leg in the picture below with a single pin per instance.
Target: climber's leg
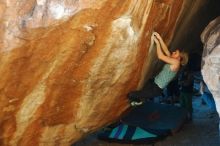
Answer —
(150, 90)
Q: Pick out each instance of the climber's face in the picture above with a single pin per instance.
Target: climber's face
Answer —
(176, 54)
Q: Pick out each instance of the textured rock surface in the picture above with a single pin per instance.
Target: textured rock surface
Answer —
(211, 59)
(66, 66)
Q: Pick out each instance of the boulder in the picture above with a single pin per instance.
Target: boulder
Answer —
(67, 66)
(211, 59)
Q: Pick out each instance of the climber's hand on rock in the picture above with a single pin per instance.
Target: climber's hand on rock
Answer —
(157, 35)
(156, 41)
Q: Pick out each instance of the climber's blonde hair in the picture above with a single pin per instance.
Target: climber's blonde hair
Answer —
(184, 58)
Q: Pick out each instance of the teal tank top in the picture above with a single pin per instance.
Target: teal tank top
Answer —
(164, 77)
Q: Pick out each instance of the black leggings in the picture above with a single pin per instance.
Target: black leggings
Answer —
(149, 90)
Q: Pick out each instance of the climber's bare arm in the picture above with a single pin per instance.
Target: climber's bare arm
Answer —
(173, 62)
(163, 45)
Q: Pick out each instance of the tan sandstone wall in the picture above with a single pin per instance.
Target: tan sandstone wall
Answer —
(67, 66)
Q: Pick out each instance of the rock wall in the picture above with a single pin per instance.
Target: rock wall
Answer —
(211, 59)
(192, 24)
(67, 66)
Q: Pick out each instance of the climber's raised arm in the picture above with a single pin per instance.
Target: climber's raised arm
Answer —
(163, 45)
(162, 56)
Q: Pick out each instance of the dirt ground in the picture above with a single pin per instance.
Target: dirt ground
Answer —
(202, 131)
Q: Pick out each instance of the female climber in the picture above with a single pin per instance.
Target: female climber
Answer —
(154, 87)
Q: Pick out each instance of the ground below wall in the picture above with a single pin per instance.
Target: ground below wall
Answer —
(202, 131)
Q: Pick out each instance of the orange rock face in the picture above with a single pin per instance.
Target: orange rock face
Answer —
(66, 67)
